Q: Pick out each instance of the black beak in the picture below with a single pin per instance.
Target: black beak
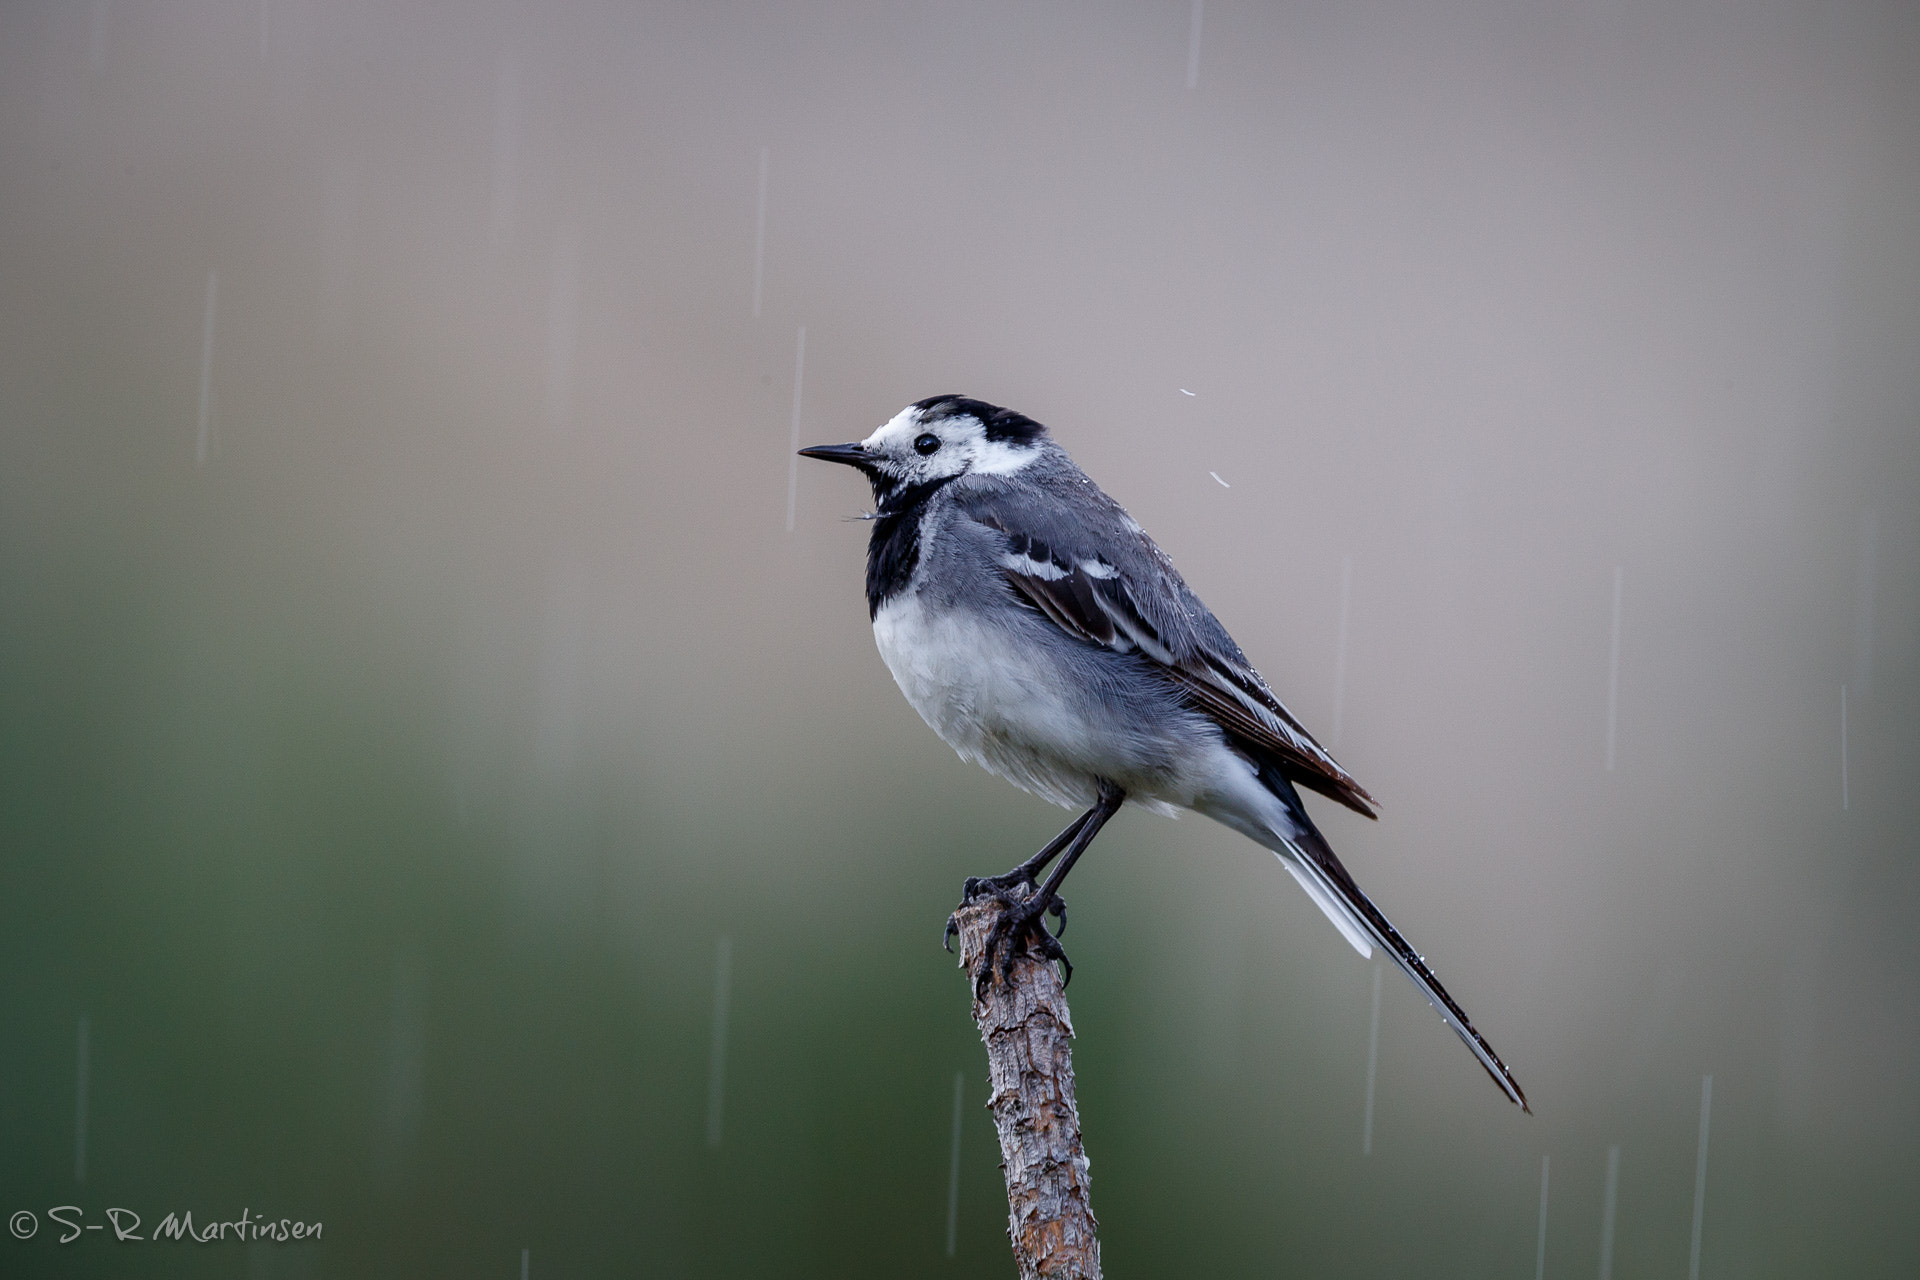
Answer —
(850, 454)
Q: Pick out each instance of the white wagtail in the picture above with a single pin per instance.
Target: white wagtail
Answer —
(1039, 631)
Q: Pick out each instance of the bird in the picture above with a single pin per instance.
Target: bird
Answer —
(1042, 634)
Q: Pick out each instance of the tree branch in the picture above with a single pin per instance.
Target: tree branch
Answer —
(1028, 1033)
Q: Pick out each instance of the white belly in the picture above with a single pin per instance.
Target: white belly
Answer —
(1006, 707)
(990, 700)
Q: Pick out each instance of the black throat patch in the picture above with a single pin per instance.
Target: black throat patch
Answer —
(894, 548)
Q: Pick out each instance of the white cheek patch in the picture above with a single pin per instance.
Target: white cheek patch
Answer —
(968, 439)
(997, 458)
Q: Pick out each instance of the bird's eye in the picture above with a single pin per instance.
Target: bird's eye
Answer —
(926, 444)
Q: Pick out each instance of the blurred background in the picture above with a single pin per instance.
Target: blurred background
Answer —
(448, 791)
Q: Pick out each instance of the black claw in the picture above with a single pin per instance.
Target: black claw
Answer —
(953, 931)
(1048, 945)
(1058, 910)
(1022, 923)
(1050, 949)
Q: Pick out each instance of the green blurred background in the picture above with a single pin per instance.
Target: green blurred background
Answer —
(408, 676)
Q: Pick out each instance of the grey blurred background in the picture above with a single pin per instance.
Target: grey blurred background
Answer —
(442, 798)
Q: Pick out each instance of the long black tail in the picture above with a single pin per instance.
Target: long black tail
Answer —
(1312, 861)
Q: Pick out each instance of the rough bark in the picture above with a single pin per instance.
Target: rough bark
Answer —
(1028, 1033)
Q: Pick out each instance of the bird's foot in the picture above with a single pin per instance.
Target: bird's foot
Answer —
(1000, 887)
(1023, 921)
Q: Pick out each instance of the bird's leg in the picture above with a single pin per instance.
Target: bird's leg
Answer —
(1024, 917)
(1027, 873)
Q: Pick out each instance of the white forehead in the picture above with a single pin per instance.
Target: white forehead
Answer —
(961, 433)
(899, 430)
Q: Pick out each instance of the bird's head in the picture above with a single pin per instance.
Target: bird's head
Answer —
(939, 439)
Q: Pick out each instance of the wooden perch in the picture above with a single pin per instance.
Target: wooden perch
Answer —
(1028, 1032)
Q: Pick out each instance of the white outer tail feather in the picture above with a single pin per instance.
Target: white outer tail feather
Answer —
(1350, 926)
(1363, 936)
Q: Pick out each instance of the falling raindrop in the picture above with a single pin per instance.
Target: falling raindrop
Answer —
(1193, 45)
(717, 1049)
(206, 371)
(1865, 581)
(953, 1166)
(1613, 669)
(562, 677)
(563, 306)
(97, 35)
(339, 202)
(1373, 1058)
(1700, 1176)
(82, 1068)
(1845, 799)
(760, 236)
(404, 1082)
(793, 443)
(506, 147)
(1340, 652)
(1540, 1248)
(1606, 1213)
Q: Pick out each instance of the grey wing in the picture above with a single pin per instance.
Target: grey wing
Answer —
(1102, 579)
